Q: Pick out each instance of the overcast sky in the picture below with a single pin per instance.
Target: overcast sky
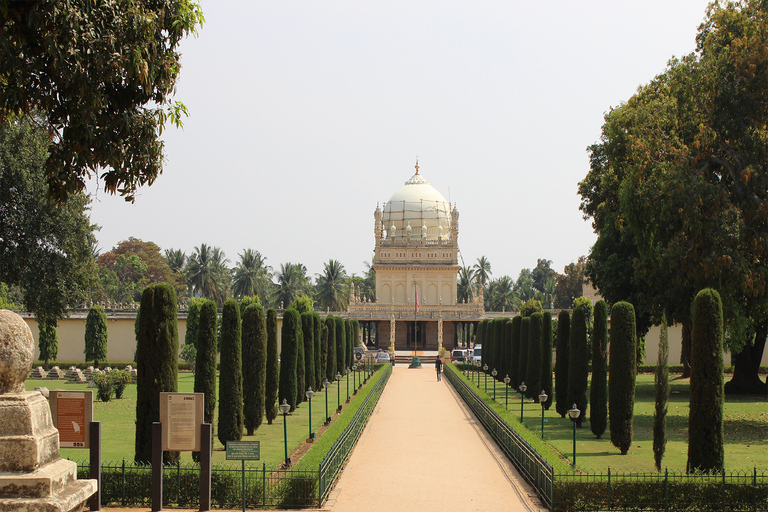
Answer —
(305, 114)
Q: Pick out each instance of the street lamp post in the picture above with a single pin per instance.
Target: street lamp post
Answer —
(284, 408)
(542, 399)
(493, 381)
(485, 371)
(326, 385)
(338, 391)
(477, 372)
(310, 394)
(354, 379)
(522, 387)
(506, 391)
(574, 413)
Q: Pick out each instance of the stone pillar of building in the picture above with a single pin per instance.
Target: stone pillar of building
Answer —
(392, 332)
(439, 334)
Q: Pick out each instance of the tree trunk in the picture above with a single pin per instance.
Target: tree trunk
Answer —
(746, 365)
(685, 355)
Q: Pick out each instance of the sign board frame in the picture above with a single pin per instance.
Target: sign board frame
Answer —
(72, 414)
(243, 450)
(181, 415)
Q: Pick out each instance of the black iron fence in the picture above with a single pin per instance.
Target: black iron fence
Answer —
(729, 491)
(128, 484)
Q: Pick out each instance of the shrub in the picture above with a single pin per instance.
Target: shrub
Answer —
(96, 335)
(598, 391)
(317, 327)
(522, 362)
(104, 387)
(546, 358)
(308, 333)
(506, 364)
(330, 369)
(514, 351)
(622, 372)
(157, 362)
(271, 386)
(533, 368)
(578, 363)
(230, 427)
(119, 380)
(661, 385)
(205, 363)
(705, 417)
(561, 363)
(341, 341)
(254, 366)
(289, 354)
(498, 347)
(301, 385)
(480, 340)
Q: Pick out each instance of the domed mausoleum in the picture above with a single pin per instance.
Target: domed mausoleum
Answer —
(416, 262)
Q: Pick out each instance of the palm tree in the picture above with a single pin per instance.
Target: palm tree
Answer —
(252, 276)
(464, 285)
(332, 287)
(502, 296)
(291, 282)
(482, 270)
(176, 260)
(207, 273)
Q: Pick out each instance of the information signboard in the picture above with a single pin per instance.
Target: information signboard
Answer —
(72, 413)
(243, 450)
(181, 415)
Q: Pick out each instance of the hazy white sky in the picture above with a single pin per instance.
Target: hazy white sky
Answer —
(305, 114)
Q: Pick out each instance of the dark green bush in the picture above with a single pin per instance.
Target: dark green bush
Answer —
(661, 388)
(331, 360)
(622, 372)
(308, 333)
(119, 380)
(561, 363)
(104, 387)
(289, 354)
(546, 358)
(301, 385)
(533, 368)
(254, 366)
(157, 356)
(205, 362)
(578, 363)
(598, 391)
(705, 417)
(317, 327)
(96, 335)
(522, 362)
(271, 386)
(514, 352)
(230, 427)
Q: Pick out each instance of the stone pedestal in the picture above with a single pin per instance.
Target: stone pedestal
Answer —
(33, 478)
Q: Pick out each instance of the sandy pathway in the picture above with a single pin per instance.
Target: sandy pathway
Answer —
(422, 451)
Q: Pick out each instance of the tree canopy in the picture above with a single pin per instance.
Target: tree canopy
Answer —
(102, 75)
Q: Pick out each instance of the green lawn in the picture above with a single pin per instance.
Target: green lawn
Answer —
(745, 426)
(117, 419)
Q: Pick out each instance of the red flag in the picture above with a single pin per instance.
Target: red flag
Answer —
(417, 301)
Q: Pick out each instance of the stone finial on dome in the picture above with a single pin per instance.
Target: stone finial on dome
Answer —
(16, 352)
(417, 165)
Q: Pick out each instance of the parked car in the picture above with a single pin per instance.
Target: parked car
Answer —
(477, 354)
(458, 354)
(382, 357)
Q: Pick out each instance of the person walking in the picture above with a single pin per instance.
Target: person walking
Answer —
(438, 367)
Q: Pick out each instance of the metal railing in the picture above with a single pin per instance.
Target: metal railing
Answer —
(532, 466)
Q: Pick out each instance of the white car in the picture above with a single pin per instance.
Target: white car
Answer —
(382, 357)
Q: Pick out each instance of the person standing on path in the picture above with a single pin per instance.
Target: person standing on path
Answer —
(438, 367)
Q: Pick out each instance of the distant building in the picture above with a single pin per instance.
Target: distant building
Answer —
(416, 262)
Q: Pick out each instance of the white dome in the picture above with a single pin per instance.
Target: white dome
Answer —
(420, 202)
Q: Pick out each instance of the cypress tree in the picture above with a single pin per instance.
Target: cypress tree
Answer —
(230, 426)
(289, 354)
(533, 368)
(193, 322)
(308, 332)
(301, 383)
(271, 386)
(705, 416)
(498, 347)
(598, 391)
(330, 367)
(96, 335)
(317, 327)
(48, 339)
(546, 358)
(578, 361)
(522, 362)
(561, 363)
(157, 362)
(254, 366)
(661, 385)
(480, 340)
(341, 343)
(622, 372)
(205, 362)
(514, 352)
(507, 363)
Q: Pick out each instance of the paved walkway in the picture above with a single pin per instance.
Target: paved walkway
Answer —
(423, 450)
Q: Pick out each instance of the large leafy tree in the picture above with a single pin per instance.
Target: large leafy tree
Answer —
(679, 187)
(570, 284)
(102, 75)
(44, 249)
(332, 287)
(541, 274)
(252, 277)
(130, 266)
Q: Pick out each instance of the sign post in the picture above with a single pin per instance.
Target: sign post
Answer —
(243, 450)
